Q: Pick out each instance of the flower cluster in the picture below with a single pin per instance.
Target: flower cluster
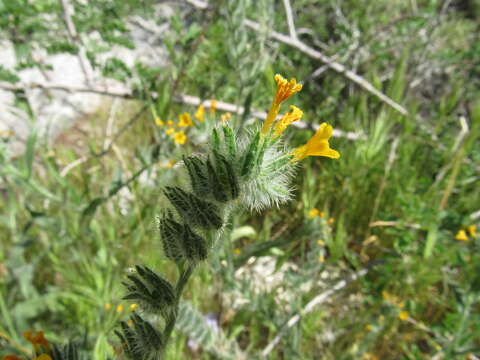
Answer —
(318, 145)
(463, 235)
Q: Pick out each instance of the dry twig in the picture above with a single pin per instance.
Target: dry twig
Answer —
(331, 64)
(75, 38)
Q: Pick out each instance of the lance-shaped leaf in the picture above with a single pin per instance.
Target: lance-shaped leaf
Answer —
(150, 290)
(198, 178)
(194, 210)
(194, 246)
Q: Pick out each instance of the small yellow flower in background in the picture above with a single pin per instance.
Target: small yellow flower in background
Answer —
(403, 315)
(130, 323)
(317, 145)
(159, 122)
(133, 307)
(472, 230)
(461, 236)
(330, 221)
(321, 242)
(225, 117)
(213, 106)
(200, 113)
(37, 339)
(369, 327)
(314, 212)
(119, 308)
(321, 258)
(169, 131)
(107, 306)
(170, 123)
(43, 357)
(180, 138)
(285, 89)
(368, 356)
(237, 251)
(293, 115)
(321, 214)
(170, 164)
(185, 120)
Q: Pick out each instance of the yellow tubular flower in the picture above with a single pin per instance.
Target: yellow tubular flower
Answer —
(169, 131)
(317, 145)
(180, 138)
(159, 122)
(293, 115)
(472, 230)
(200, 113)
(213, 106)
(403, 315)
(225, 117)
(313, 212)
(285, 89)
(461, 235)
(185, 120)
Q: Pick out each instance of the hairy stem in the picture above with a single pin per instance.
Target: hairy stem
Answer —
(182, 281)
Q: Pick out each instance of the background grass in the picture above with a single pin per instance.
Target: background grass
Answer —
(396, 198)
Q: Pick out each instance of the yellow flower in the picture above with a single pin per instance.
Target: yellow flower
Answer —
(170, 164)
(293, 115)
(130, 323)
(133, 307)
(321, 258)
(170, 123)
(180, 138)
(403, 315)
(107, 306)
(200, 113)
(321, 242)
(461, 235)
(185, 120)
(237, 251)
(169, 131)
(285, 89)
(472, 230)
(159, 122)
(43, 357)
(314, 212)
(213, 106)
(330, 221)
(321, 214)
(225, 117)
(369, 327)
(119, 308)
(37, 339)
(317, 145)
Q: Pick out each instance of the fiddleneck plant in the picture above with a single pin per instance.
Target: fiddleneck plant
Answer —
(253, 172)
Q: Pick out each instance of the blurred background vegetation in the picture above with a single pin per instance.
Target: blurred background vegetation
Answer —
(377, 256)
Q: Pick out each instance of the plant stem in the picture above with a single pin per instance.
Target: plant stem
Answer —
(182, 281)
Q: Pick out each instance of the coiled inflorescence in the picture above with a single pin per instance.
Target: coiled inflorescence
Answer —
(254, 171)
